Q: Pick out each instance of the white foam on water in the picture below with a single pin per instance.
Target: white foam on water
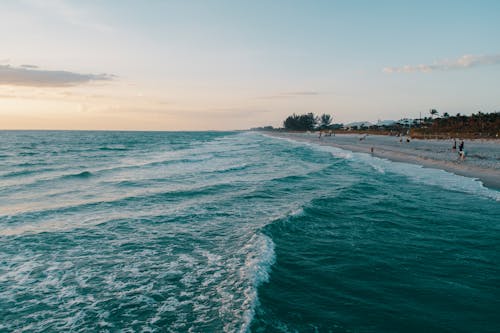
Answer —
(58, 225)
(430, 176)
(20, 273)
(292, 141)
(296, 212)
(377, 168)
(414, 172)
(218, 284)
(336, 152)
(89, 218)
(256, 270)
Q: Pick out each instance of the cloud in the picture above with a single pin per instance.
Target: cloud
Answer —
(291, 94)
(31, 76)
(29, 66)
(223, 112)
(70, 14)
(465, 61)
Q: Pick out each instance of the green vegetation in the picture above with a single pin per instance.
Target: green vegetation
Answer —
(477, 125)
(325, 121)
(307, 122)
(304, 122)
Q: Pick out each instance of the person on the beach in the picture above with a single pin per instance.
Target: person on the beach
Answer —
(454, 148)
(461, 151)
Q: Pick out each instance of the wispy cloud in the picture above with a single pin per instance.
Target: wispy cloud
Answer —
(71, 14)
(223, 112)
(465, 61)
(29, 66)
(33, 77)
(291, 94)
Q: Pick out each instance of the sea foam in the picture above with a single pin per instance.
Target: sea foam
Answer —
(414, 172)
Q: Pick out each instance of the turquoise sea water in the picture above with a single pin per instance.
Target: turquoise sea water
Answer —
(236, 232)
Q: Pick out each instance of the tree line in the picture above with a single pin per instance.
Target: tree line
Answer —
(476, 125)
(307, 122)
(484, 124)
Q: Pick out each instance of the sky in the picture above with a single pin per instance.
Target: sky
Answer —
(237, 64)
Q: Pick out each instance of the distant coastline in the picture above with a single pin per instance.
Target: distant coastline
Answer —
(475, 126)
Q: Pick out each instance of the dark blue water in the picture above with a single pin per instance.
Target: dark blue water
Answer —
(210, 232)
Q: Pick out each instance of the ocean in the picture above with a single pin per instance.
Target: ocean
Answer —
(237, 232)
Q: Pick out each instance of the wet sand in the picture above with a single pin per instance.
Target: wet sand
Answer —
(482, 156)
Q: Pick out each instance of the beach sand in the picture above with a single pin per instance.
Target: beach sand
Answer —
(482, 156)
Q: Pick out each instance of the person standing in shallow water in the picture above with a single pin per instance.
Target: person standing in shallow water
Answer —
(454, 148)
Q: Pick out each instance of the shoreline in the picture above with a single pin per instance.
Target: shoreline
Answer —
(488, 176)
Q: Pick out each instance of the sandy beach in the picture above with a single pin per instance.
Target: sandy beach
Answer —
(482, 156)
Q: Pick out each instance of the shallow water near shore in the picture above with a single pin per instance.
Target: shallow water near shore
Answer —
(235, 232)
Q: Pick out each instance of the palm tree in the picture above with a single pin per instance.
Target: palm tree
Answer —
(446, 115)
(433, 112)
(325, 121)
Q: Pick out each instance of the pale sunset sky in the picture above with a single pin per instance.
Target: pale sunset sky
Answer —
(220, 65)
